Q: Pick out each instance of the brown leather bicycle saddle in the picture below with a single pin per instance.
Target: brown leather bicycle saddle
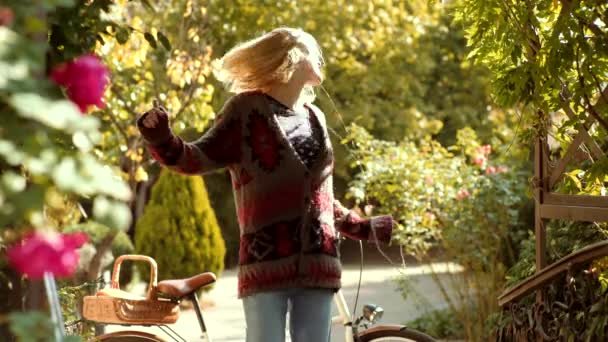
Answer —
(178, 288)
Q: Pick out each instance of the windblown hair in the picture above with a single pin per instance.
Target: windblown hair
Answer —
(260, 63)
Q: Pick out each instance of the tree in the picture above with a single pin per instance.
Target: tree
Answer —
(179, 218)
(550, 58)
(397, 69)
(159, 52)
(385, 59)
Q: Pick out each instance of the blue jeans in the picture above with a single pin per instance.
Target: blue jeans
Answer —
(309, 313)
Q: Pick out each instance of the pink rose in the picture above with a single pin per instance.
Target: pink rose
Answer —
(490, 170)
(501, 169)
(462, 194)
(428, 180)
(84, 78)
(6, 16)
(487, 149)
(41, 252)
(479, 160)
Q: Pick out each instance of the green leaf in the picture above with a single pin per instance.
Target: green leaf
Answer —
(596, 307)
(43, 163)
(574, 179)
(59, 3)
(164, 40)
(150, 38)
(122, 35)
(113, 214)
(58, 114)
(148, 5)
(13, 181)
(35, 25)
(31, 326)
(11, 153)
(82, 142)
(100, 39)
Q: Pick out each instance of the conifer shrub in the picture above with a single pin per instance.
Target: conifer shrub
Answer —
(179, 229)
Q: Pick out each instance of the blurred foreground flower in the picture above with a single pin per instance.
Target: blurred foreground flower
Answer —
(6, 16)
(41, 252)
(84, 78)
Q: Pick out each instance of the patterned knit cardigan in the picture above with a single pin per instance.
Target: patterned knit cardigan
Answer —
(286, 212)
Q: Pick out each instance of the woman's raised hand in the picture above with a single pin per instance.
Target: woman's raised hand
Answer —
(154, 116)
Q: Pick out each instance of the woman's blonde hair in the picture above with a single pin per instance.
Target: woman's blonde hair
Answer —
(269, 59)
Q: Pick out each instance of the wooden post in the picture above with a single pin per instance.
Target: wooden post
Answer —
(540, 168)
(539, 226)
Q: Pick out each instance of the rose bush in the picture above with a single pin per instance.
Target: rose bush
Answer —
(47, 147)
(451, 199)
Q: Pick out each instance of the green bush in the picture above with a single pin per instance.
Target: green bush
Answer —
(439, 324)
(563, 238)
(179, 228)
(462, 200)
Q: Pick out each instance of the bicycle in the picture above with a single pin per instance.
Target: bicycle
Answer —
(160, 307)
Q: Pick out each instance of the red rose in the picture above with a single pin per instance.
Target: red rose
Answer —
(6, 16)
(41, 252)
(84, 78)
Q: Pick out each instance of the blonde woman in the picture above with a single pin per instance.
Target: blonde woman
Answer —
(275, 144)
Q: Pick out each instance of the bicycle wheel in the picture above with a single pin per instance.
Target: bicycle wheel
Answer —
(393, 333)
(129, 336)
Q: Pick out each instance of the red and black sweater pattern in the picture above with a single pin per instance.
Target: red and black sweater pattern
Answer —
(286, 211)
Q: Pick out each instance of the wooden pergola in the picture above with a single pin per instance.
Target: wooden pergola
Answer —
(551, 205)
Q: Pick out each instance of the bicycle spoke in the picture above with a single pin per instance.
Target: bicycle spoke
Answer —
(163, 327)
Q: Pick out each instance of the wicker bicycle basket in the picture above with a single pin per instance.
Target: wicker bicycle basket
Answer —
(114, 306)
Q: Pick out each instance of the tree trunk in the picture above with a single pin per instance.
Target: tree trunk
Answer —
(94, 270)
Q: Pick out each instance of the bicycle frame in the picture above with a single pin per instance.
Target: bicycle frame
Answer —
(199, 314)
(343, 316)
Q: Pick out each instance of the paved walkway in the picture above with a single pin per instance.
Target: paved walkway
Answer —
(224, 317)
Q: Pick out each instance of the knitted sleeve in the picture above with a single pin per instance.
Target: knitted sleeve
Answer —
(219, 147)
(351, 225)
